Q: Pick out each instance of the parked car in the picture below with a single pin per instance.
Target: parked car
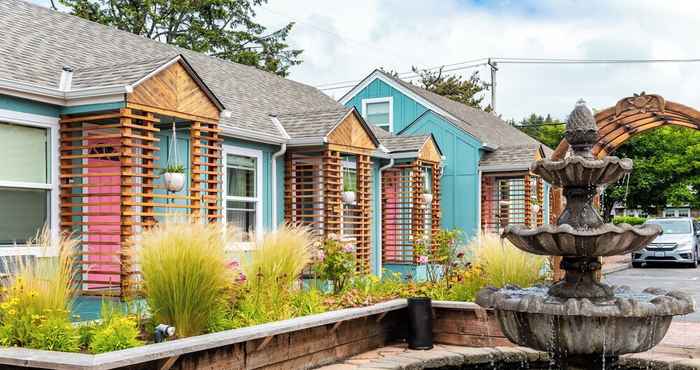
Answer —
(678, 244)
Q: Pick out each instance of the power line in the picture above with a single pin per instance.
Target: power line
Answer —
(506, 60)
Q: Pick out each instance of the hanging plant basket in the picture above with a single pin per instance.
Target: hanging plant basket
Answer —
(349, 197)
(428, 198)
(174, 178)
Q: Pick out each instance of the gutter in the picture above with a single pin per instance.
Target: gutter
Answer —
(276, 155)
(505, 167)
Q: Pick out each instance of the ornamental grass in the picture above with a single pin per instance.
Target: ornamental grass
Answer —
(185, 275)
(37, 300)
(502, 263)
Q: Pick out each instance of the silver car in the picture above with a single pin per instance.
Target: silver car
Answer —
(677, 244)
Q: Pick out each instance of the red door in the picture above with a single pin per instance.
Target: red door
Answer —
(102, 260)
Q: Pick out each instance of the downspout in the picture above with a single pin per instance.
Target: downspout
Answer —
(279, 153)
(379, 234)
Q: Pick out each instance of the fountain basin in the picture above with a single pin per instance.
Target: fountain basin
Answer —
(564, 240)
(627, 323)
(576, 171)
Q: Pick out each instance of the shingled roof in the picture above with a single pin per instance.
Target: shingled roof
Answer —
(485, 126)
(43, 41)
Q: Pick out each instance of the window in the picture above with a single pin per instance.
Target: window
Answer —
(242, 190)
(25, 182)
(379, 112)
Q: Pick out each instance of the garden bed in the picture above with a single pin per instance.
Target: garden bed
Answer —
(299, 343)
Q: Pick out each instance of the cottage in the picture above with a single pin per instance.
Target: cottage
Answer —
(91, 117)
(485, 183)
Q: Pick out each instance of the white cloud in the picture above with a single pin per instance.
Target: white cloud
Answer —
(346, 40)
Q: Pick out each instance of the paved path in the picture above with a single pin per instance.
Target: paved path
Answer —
(661, 276)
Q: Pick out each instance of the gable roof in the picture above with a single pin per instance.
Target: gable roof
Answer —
(485, 127)
(407, 143)
(43, 41)
(314, 126)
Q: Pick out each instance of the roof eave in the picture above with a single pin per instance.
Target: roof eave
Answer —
(505, 167)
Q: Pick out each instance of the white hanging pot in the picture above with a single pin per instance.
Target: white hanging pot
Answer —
(349, 197)
(535, 208)
(428, 198)
(174, 181)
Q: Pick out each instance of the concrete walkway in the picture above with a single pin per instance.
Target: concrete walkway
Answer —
(680, 347)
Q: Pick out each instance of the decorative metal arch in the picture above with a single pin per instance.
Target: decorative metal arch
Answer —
(634, 115)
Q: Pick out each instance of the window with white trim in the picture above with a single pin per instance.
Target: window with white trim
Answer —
(25, 182)
(378, 112)
(242, 195)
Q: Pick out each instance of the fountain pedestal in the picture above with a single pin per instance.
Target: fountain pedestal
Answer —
(584, 323)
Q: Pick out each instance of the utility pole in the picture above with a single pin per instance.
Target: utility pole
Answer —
(494, 68)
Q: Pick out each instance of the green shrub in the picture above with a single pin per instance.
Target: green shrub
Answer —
(55, 333)
(632, 220)
(308, 302)
(118, 333)
(335, 262)
(185, 274)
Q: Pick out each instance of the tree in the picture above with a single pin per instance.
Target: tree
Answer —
(666, 171)
(469, 91)
(221, 28)
(546, 130)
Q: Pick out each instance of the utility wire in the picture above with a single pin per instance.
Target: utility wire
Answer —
(505, 60)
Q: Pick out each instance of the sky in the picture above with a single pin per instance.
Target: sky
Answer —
(346, 40)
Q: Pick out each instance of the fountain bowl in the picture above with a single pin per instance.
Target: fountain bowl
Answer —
(627, 323)
(578, 171)
(565, 240)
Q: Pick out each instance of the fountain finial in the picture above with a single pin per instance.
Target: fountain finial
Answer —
(581, 130)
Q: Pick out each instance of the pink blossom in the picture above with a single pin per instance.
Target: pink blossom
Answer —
(234, 264)
(348, 248)
(320, 255)
(423, 260)
(241, 278)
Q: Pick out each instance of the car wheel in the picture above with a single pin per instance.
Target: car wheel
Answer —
(636, 265)
(694, 264)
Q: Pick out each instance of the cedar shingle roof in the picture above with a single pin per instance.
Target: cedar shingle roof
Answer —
(41, 41)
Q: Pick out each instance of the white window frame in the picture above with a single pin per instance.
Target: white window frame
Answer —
(258, 199)
(388, 99)
(52, 125)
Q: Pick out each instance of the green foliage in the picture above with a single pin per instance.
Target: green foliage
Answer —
(335, 262)
(470, 91)
(308, 302)
(185, 274)
(120, 332)
(666, 171)
(173, 168)
(438, 253)
(40, 295)
(221, 28)
(546, 130)
(55, 333)
(632, 220)
(275, 265)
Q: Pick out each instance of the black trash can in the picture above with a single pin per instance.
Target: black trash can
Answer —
(420, 323)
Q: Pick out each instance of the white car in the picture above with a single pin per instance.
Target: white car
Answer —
(677, 244)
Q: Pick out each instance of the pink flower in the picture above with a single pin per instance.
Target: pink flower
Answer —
(234, 264)
(423, 260)
(348, 248)
(320, 255)
(241, 278)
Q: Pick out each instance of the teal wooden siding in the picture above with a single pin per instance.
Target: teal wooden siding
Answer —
(267, 152)
(459, 186)
(90, 108)
(405, 109)
(28, 106)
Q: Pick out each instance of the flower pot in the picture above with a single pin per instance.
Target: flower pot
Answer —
(535, 208)
(349, 197)
(420, 323)
(174, 181)
(428, 198)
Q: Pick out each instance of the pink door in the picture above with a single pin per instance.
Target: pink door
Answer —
(389, 215)
(103, 230)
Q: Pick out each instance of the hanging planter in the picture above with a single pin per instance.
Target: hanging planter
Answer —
(428, 198)
(349, 194)
(174, 177)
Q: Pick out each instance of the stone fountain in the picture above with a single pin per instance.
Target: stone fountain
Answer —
(581, 321)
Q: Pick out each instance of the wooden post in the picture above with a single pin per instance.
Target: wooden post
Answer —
(364, 192)
(527, 180)
(418, 218)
